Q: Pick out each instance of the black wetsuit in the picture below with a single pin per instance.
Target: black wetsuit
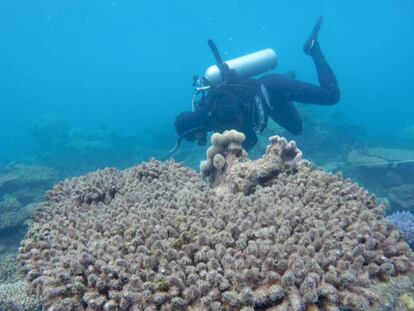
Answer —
(234, 105)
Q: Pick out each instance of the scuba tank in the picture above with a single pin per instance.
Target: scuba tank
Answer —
(235, 69)
(238, 68)
(242, 67)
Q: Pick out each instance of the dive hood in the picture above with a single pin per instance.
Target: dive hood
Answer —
(243, 67)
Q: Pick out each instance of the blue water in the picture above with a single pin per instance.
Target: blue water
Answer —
(127, 65)
(87, 84)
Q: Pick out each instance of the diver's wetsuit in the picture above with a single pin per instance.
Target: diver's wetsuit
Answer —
(283, 90)
(232, 105)
(245, 105)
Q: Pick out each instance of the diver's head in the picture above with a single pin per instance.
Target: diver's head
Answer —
(192, 126)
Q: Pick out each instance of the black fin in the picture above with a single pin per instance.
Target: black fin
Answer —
(312, 40)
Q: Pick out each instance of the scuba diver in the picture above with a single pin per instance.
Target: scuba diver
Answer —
(228, 98)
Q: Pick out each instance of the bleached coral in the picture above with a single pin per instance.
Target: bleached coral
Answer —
(404, 221)
(13, 215)
(9, 269)
(287, 151)
(18, 176)
(223, 145)
(13, 297)
(240, 173)
(268, 234)
(21, 185)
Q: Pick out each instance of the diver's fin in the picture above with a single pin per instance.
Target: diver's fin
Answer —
(312, 40)
(290, 74)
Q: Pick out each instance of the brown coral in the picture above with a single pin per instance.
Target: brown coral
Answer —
(268, 234)
(240, 174)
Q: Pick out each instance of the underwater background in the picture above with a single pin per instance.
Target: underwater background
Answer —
(92, 84)
(127, 65)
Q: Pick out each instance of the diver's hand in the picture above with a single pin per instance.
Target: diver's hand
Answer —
(312, 40)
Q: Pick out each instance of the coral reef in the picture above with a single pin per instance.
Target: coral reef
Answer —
(404, 222)
(10, 239)
(13, 215)
(74, 151)
(13, 297)
(13, 289)
(9, 269)
(396, 294)
(357, 158)
(26, 183)
(392, 154)
(402, 196)
(319, 133)
(407, 302)
(20, 186)
(386, 171)
(270, 234)
(241, 175)
(223, 146)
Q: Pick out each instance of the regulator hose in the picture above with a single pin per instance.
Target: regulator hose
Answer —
(182, 136)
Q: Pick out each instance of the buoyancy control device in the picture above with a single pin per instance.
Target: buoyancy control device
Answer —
(238, 68)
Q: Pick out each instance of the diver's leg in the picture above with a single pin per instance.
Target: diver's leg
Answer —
(326, 75)
(282, 88)
(312, 48)
(285, 114)
(288, 89)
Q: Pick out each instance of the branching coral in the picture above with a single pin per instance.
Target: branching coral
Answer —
(9, 269)
(16, 177)
(271, 234)
(13, 215)
(404, 221)
(13, 297)
(20, 186)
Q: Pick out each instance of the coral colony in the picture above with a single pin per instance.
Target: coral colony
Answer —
(270, 234)
(404, 221)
